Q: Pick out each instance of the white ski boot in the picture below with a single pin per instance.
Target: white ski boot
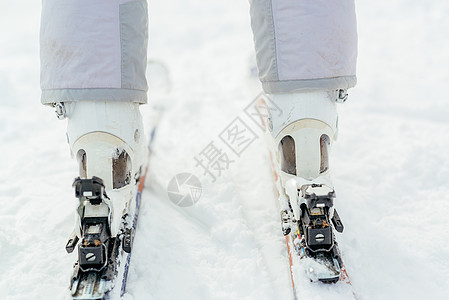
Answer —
(108, 141)
(300, 138)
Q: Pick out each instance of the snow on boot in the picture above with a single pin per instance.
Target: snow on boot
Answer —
(300, 139)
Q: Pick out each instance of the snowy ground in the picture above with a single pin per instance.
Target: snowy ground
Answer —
(390, 164)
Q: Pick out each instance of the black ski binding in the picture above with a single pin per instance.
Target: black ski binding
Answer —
(93, 250)
(316, 229)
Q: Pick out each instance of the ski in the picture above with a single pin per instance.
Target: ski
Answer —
(317, 268)
(313, 254)
(101, 271)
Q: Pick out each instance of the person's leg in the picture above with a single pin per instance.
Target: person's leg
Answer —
(93, 65)
(306, 53)
(93, 51)
(305, 44)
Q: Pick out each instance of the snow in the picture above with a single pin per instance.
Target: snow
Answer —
(390, 165)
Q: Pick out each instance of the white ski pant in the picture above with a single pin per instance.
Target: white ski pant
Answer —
(97, 49)
(305, 44)
(94, 50)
